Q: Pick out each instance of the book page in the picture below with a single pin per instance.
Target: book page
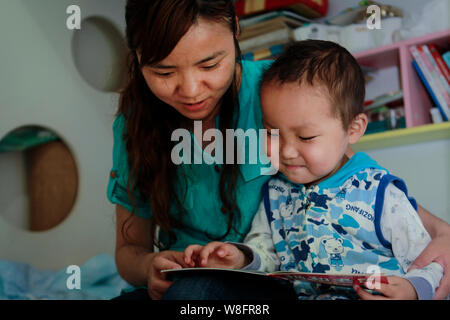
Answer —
(345, 280)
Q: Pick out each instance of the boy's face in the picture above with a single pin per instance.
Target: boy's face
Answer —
(312, 141)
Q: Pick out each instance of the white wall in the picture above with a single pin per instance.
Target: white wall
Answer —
(13, 185)
(425, 167)
(40, 85)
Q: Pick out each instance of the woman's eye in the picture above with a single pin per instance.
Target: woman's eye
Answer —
(164, 74)
(272, 133)
(306, 138)
(212, 66)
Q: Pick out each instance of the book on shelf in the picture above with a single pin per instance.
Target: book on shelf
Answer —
(431, 80)
(437, 73)
(385, 112)
(307, 8)
(443, 67)
(263, 27)
(436, 116)
(383, 100)
(318, 31)
(264, 53)
(279, 36)
(248, 21)
(431, 92)
(344, 280)
(446, 57)
(263, 36)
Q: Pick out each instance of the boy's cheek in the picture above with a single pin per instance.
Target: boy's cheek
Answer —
(272, 152)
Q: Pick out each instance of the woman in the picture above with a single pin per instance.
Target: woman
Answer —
(184, 66)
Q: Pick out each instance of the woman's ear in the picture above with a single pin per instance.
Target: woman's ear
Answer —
(138, 56)
(238, 29)
(357, 128)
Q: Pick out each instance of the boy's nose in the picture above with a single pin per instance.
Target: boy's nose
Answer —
(288, 151)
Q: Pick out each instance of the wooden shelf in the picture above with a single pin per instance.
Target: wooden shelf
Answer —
(405, 136)
(416, 100)
(415, 97)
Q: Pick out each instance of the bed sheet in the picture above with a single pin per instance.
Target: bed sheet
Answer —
(98, 280)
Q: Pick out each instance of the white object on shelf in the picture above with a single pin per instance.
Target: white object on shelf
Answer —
(436, 115)
(357, 37)
(386, 34)
(384, 99)
(318, 31)
(432, 18)
(354, 37)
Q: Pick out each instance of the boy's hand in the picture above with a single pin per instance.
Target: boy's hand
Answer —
(397, 289)
(215, 255)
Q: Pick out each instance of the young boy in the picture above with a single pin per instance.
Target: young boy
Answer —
(327, 211)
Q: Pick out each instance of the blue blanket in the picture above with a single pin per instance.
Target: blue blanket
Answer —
(99, 279)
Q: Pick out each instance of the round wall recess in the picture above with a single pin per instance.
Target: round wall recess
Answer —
(99, 53)
(42, 178)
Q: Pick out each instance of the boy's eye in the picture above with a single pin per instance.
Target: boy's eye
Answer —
(306, 138)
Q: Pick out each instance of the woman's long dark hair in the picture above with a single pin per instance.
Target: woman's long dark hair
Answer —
(153, 28)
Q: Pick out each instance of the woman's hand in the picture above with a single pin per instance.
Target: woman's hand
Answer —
(438, 250)
(397, 289)
(157, 283)
(215, 255)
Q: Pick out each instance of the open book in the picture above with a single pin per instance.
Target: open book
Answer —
(345, 280)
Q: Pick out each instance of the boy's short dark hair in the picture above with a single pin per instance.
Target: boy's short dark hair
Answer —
(323, 63)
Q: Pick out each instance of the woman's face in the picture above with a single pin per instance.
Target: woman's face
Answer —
(196, 74)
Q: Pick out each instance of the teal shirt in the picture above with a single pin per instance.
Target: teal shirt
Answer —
(203, 219)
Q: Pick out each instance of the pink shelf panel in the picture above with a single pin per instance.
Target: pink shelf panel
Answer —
(440, 37)
(381, 57)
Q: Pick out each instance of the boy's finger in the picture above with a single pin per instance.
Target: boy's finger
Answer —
(385, 289)
(190, 252)
(364, 295)
(223, 250)
(207, 250)
(179, 258)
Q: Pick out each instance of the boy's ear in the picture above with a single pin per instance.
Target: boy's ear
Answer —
(357, 128)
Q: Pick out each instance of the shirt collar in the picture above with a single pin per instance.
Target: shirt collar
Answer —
(359, 161)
